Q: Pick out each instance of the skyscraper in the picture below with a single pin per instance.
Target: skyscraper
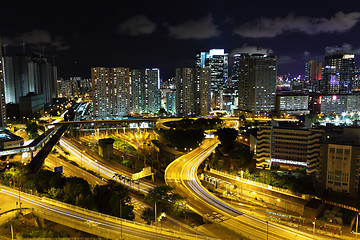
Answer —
(192, 91)
(339, 72)
(151, 89)
(217, 61)
(24, 74)
(121, 91)
(202, 91)
(257, 82)
(2, 93)
(137, 93)
(145, 93)
(313, 74)
(185, 78)
(111, 91)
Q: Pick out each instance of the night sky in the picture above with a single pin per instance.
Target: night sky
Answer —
(167, 34)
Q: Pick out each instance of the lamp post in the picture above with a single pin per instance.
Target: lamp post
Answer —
(314, 229)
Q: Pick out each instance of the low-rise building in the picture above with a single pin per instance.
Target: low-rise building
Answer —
(288, 146)
(339, 157)
(292, 104)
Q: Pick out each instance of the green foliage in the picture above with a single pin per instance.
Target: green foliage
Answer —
(184, 138)
(199, 123)
(303, 184)
(227, 137)
(163, 197)
(32, 129)
(56, 193)
(108, 197)
(73, 187)
(46, 179)
(148, 215)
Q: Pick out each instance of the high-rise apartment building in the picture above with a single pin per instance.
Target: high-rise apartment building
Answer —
(192, 91)
(24, 74)
(257, 82)
(121, 91)
(111, 91)
(145, 90)
(313, 74)
(137, 93)
(185, 78)
(152, 93)
(217, 61)
(171, 102)
(2, 94)
(339, 73)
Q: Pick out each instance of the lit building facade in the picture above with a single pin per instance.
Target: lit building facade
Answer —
(339, 73)
(171, 102)
(193, 91)
(339, 157)
(218, 63)
(2, 94)
(185, 79)
(292, 104)
(313, 75)
(290, 148)
(145, 90)
(25, 74)
(111, 92)
(257, 82)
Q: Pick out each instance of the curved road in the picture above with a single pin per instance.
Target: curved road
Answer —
(182, 175)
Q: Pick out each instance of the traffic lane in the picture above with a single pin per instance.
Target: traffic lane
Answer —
(127, 228)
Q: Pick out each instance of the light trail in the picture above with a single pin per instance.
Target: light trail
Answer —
(182, 174)
(102, 169)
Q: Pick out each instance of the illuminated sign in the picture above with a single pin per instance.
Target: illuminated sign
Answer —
(276, 160)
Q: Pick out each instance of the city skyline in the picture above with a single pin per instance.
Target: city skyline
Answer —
(168, 35)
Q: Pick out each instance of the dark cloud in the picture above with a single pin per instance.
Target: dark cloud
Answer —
(345, 47)
(202, 28)
(251, 50)
(38, 38)
(281, 60)
(268, 28)
(137, 25)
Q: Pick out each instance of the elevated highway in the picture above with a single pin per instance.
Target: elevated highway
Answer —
(182, 175)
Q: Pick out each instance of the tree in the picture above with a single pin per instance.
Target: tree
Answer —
(227, 137)
(108, 197)
(148, 215)
(73, 187)
(163, 197)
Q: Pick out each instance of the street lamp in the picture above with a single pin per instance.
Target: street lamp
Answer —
(313, 229)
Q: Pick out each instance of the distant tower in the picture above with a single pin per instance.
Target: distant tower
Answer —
(111, 91)
(217, 61)
(257, 82)
(2, 93)
(339, 72)
(185, 78)
(313, 74)
(192, 91)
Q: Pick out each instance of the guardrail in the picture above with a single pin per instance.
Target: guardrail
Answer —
(263, 185)
(105, 217)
